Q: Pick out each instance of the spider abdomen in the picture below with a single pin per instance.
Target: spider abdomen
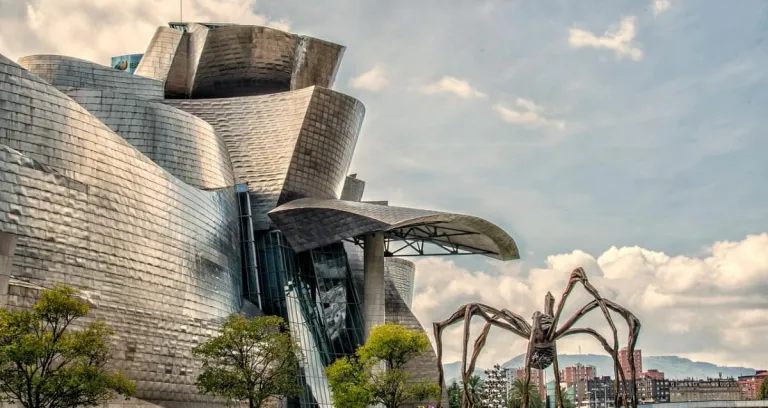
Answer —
(542, 356)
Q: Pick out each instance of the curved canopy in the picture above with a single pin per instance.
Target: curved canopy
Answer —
(310, 223)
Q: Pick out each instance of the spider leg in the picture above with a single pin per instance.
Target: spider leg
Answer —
(633, 324)
(558, 392)
(580, 276)
(619, 374)
(528, 354)
(493, 317)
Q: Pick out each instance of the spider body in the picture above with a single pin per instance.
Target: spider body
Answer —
(542, 350)
(542, 337)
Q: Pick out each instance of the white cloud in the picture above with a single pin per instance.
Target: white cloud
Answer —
(527, 113)
(458, 87)
(618, 40)
(710, 308)
(373, 80)
(97, 30)
(660, 6)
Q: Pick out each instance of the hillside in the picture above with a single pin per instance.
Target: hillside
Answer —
(674, 367)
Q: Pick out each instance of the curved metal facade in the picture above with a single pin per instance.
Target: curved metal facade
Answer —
(184, 145)
(237, 60)
(401, 273)
(285, 146)
(107, 186)
(159, 257)
(313, 222)
(67, 72)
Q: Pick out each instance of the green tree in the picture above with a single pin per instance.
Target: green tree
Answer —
(518, 390)
(250, 360)
(376, 375)
(762, 393)
(476, 387)
(454, 395)
(567, 401)
(46, 363)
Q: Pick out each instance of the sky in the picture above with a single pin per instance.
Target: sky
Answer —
(618, 135)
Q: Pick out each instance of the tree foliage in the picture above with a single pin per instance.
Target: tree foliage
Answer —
(46, 363)
(476, 387)
(250, 360)
(454, 395)
(567, 401)
(518, 390)
(762, 393)
(375, 374)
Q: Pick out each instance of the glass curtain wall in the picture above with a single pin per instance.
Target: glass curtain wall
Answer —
(314, 292)
(250, 272)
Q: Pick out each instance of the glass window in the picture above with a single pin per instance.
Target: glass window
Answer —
(314, 292)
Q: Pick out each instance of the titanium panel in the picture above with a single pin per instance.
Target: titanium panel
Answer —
(158, 258)
(67, 72)
(284, 146)
(401, 273)
(243, 60)
(312, 222)
(182, 144)
(353, 188)
(316, 63)
(237, 60)
(160, 53)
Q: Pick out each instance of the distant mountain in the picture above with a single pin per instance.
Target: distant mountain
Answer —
(453, 372)
(673, 367)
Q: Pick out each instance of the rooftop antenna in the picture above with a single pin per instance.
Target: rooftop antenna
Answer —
(181, 11)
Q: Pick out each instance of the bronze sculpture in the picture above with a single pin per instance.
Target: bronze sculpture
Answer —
(542, 337)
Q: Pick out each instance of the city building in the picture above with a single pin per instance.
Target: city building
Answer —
(655, 374)
(213, 180)
(652, 390)
(537, 379)
(625, 364)
(577, 372)
(705, 390)
(600, 392)
(750, 384)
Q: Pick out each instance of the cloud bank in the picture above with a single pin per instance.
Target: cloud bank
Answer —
(660, 6)
(711, 307)
(527, 113)
(618, 40)
(98, 30)
(374, 80)
(455, 86)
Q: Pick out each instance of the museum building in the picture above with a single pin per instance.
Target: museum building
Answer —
(211, 180)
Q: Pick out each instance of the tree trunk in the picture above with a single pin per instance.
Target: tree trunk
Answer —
(250, 403)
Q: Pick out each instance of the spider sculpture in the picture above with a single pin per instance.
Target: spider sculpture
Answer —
(542, 336)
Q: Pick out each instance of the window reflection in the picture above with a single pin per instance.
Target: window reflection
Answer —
(314, 292)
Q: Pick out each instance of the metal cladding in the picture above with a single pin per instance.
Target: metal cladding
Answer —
(285, 146)
(184, 145)
(196, 61)
(401, 273)
(213, 181)
(353, 188)
(313, 222)
(158, 256)
(67, 72)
